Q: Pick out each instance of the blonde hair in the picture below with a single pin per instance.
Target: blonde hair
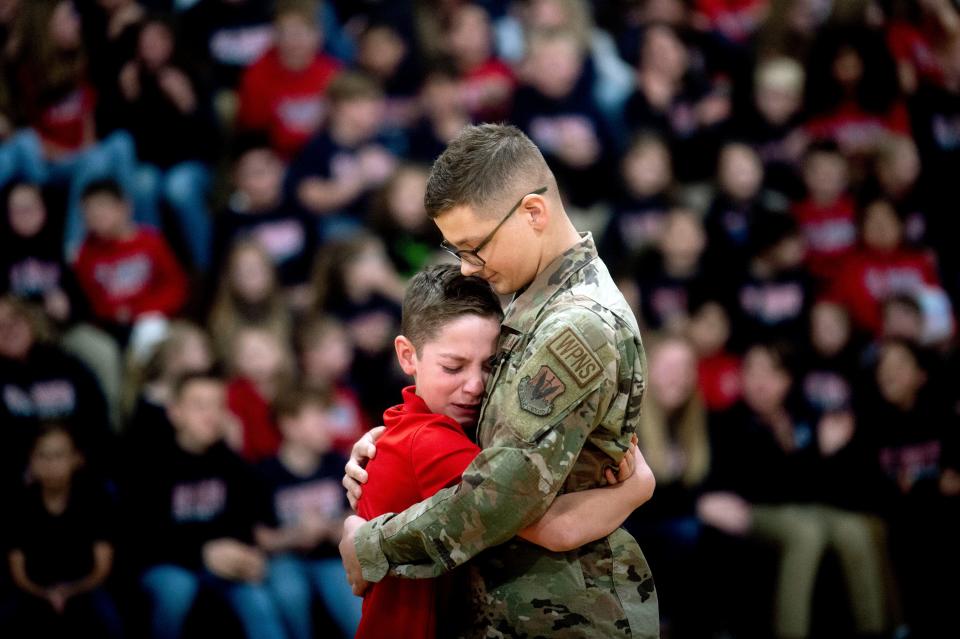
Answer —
(227, 316)
(687, 428)
(780, 73)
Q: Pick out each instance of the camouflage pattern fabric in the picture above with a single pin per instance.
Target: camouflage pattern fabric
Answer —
(561, 407)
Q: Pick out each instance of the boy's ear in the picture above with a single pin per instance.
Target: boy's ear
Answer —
(406, 355)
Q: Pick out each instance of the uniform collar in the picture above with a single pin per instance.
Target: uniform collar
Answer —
(526, 304)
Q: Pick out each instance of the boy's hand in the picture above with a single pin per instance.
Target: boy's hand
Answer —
(363, 451)
(627, 465)
(727, 512)
(348, 553)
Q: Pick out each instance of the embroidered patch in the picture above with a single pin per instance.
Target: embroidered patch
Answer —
(537, 394)
(575, 356)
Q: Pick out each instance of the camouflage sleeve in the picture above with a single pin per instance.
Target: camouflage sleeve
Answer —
(543, 406)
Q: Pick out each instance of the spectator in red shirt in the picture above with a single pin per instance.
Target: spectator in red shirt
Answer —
(282, 92)
(827, 216)
(261, 364)
(487, 83)
(718, 369)
(127, 272)
(450, 330)
(883, 266)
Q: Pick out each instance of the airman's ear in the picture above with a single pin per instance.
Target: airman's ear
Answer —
(536, 209)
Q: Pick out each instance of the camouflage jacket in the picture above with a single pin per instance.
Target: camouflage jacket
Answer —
(561, 406)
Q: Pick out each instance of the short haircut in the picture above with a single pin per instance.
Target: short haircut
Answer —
(105, 186)
(292, 401)
(438, 294)
(353, 85)
(481, 165)
(212, 374)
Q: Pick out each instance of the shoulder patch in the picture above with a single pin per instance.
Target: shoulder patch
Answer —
(575, 356)
(537, 394)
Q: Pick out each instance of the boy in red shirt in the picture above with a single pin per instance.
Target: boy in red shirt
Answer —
(127, 272)
(282, 93)
(450, 327)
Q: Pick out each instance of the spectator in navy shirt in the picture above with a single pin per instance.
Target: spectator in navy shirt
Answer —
(309, 507)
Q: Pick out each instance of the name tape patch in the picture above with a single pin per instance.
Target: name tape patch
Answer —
(575, 356)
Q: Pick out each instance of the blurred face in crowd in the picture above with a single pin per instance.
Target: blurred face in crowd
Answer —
(765, 381)
(310, 428)
(297, 40)
(440, 94)
(788, 253)
(156, 45)
(328, 357)
(882, 228)
(646, 168)
(829, 328)
(902, 320)
(777, 104)
(258, 355)
(251, 275)
(899, 375)
(825, 175)
(259, 177)
(65, 27)
(406, 194)
(898, 167)
(381, 51)
(664, 53)
(554, 65)
(740, 171)
(359, 117)
(547, 14)
(683, 239)
(199, 412)
(452, 367)
(25, 211)
(106, 215)
(709, 329)
(16, 335)
(468, 38)
(673, 374)
(54, 460)
(848, 67)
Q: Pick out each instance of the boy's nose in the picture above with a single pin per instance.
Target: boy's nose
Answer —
(474, 386)
(467, 269)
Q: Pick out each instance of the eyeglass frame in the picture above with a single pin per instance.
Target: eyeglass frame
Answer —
(475, 252)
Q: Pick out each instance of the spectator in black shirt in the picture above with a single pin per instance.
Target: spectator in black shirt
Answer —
(194, 505)
(61, 550)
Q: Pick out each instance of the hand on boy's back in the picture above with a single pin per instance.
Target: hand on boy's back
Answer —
(233, 560)
(348, 554)
(355, 476)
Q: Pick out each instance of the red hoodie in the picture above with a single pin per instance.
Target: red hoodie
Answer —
(420, 453)
(261, 435)
(288, 105)
(130, 276)
(869, 277)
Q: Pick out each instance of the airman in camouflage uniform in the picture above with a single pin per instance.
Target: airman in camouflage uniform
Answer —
(562, 405)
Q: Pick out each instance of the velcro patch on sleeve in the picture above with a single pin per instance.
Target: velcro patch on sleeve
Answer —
(537, 394)
(575, 356)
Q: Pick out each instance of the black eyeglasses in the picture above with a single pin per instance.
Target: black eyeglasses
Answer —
(471, 256)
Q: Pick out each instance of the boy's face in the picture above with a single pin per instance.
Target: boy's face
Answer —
(452, 368)
(259, 176)
(777, 104)
(297, 41)
(105, 215)
(199, 411)
(362, 117)
(825, 175)
(54, 460)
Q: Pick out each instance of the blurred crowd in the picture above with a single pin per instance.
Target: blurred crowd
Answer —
(210, 209)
